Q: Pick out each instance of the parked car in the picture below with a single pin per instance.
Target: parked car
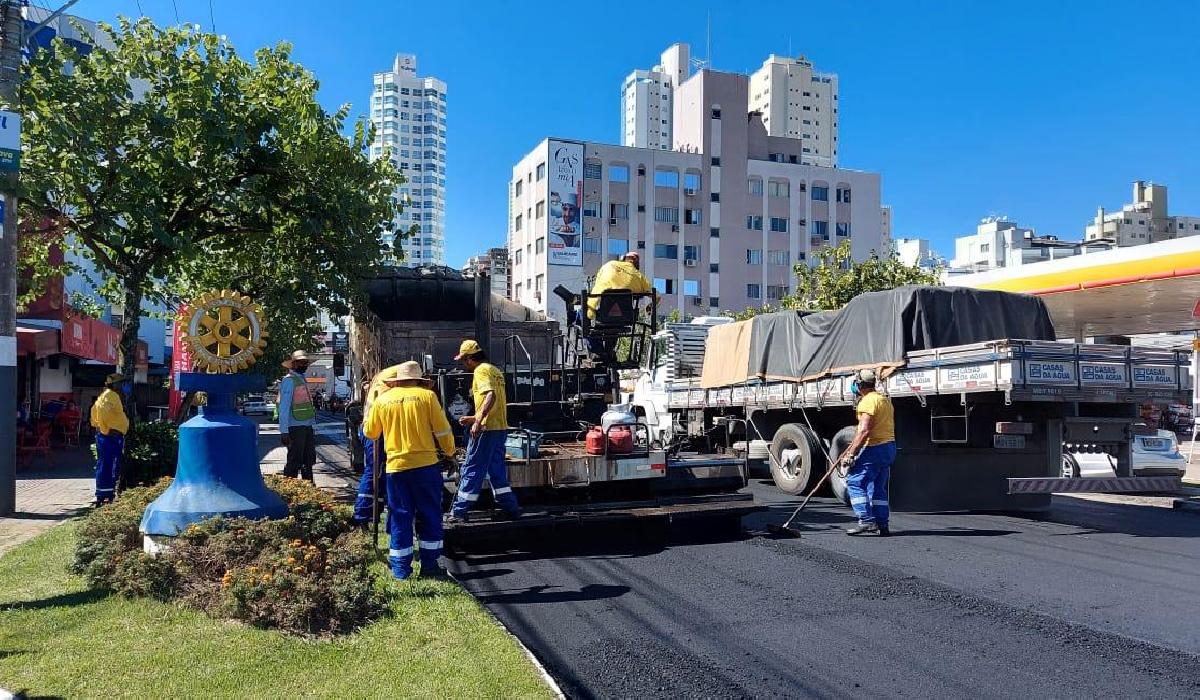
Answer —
(253, 408)
(1155, 453)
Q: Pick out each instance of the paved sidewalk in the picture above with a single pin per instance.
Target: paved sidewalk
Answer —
(332, 470)
(49, 495)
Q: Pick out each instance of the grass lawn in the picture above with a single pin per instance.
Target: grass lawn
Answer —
(59, 638)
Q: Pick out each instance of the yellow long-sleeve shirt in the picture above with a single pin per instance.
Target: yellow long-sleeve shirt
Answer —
(617, 274)
(108, 414)
(413, 426)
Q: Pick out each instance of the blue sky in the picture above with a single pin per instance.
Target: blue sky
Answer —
(1040, 111)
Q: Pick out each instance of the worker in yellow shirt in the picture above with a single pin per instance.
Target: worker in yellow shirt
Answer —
(488, 428)
(623, 274)
(109, 419)
(414, 428)
(868, 472)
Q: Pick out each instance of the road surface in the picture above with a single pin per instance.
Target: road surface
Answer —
(1090, 598)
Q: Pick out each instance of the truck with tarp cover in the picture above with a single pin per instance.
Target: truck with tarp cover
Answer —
(986, 399)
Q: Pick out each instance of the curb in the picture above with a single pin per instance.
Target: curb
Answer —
(545, 674)
(1186, 504)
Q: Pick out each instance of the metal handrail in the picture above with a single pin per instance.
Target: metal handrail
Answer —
(515, 340)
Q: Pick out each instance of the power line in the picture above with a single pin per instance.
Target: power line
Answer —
(211, 17)
(141, 13)
(176, 6)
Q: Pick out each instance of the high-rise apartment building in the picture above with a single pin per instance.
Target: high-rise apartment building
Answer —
(495, 263)
(1144, 220)
(409, 114)
(719, 218)
(798, 102)
(648, 100)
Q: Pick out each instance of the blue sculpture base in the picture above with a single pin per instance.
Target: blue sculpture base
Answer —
(217, 472)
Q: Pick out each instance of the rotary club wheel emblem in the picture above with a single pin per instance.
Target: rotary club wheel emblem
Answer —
(225, 331)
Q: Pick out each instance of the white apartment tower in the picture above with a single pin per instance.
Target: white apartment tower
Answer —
(409, 114)
(798, 102)
(648, 100)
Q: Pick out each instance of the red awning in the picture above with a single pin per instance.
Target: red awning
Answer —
(90, 339)
(39, 342)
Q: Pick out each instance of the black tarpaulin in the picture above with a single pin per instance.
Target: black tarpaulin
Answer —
(877, 329)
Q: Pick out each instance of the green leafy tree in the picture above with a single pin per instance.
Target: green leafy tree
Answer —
(175, 165)
(836, 278)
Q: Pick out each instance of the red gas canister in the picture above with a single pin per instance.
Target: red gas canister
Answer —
(620, 440)
(594, 442)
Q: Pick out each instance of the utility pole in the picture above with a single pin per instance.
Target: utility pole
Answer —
(11, 42)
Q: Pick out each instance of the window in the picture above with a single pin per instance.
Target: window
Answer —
(776, 292)
(843, 195)
(821, 228)
(716, 113)
(754, 291)
(618, 211)
(691, 216)
(779, 225)
(516, 186)
(617, 247)
(842, 229)
(667, 214)
(517, 256)
(691, 181)
(539, 285)
(541, 171)
(754, 186)
(753, 257)
(778, 257)
(592, 171)
(714, 197)
(591, 207)
(714, 301)
(985, 247)
(714, 268)
(754, 223)
(518, 291)
(666, 178)
(714, 232)
(666, 252)
(691, 288)
(716, 161)
(591, 244)
(691, 252)
(820, 194)
(777, 189)
(517, 222)
(540, 245)
(618, 173)
(664, 285)
(540, 208)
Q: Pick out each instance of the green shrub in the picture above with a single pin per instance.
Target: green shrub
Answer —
(151, 451)
(305, 574)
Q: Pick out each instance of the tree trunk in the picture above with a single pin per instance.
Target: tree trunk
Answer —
(131, 322)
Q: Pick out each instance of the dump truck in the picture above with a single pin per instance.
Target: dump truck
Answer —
(557, 393)
(986, 400)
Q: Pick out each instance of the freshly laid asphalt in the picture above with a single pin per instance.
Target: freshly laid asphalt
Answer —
(1085, 599)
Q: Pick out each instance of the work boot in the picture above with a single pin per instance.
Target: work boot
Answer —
(436, 573)
(452, 519)
(509, 514)
(862, 529)
(883, 530)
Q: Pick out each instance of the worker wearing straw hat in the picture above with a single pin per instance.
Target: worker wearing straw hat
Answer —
(414, 428)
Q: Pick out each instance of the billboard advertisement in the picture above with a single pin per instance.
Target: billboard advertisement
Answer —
(564, 235)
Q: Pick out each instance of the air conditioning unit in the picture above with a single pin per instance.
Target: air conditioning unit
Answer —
(612, 222)
(675, 228)
(689, 191)
(687, 262)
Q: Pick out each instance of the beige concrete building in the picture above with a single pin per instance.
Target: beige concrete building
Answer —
(1144, 220)
(648, 100)
(496, 263)
(798, 102)
(719, 219)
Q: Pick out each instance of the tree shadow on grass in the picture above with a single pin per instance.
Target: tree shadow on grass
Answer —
(64, 600)
(24, 694)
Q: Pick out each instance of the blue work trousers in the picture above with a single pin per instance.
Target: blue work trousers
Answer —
(414, 495)
(485, 459)
(366, 484)
(867, 483)
(108, 465)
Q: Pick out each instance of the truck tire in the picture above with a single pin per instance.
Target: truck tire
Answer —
(837, 481)
(795, 457)
(1070, 466)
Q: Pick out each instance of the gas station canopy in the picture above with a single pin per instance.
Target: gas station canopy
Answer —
(1152, 288)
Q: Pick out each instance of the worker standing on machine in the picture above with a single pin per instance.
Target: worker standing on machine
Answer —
(488, 430)
(624, 274)
(413, 425)
(868, 471)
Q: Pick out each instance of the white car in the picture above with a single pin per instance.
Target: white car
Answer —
(251, 408)
(1155, 453)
